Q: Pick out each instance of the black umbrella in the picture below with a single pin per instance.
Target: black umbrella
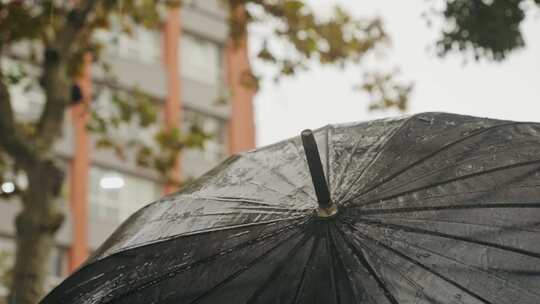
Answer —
(432, 208)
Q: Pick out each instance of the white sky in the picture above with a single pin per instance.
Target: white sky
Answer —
(508, 90)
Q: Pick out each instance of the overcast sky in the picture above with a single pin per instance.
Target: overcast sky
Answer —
(508, 90)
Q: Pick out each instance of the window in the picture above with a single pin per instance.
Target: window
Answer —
(114, 196)
(200, 59)
(143, 44)
(214, 148)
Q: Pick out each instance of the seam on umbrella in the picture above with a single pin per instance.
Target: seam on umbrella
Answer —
(341, 263)
(273, 210)
(347, 164)
(362, 259)
(123, 250)
(462, 161)
(443, 148)
(247, 200)
(277, 271)
(448, 207)
(453, 237)
(381, 146)
(424, 220)
(438, 196)
(236, 200)
(415, 262)
(490, 273)
(244, 268)
(419, 289)
(300, 153)
(300, 286)
(463, 177)
(349, 158)
(332, 269)
(167, 275)
(281, 175)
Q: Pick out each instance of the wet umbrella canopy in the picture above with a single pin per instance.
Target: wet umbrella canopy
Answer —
(432, 208)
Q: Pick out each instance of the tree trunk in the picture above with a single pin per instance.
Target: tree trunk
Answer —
(36, 225)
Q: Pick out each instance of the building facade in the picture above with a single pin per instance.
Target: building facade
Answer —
(191, 69)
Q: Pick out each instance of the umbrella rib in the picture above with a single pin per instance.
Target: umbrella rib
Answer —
(448, 207)
(489, 273)
(122, 251)
(423, 220)
(273, 209)
(411, 281)
(277, 271)
(439, 196)
(453, 237)
(417, 263)
(454, 165)
(235, 200)
(340, 261)
(362, 259)
(242, 211)
(381, 145)
(347, 164)
(281, 176)
(244, 268)
(310, 259)
(179, 269)
(370, 202)
(434, 153)
(332, 264)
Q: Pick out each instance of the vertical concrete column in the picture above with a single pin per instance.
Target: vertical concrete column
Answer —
(173, 103)
(80, 165)
(241, 123)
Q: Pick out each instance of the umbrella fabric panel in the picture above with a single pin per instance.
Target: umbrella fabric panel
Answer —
(475, 277)
(353, 150)
(467, 261)
(404, 279)
(144, 270)
(202, 283)
(187, 215)
(484, 153)
(418, 141)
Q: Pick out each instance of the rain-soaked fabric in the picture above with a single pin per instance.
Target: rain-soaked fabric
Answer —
(433, 208)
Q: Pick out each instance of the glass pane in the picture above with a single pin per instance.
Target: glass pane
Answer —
(199, 59)
(115, 195)
(142, 44)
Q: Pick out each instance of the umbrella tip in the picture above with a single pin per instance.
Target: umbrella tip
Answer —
(326, 207)
(306, 132)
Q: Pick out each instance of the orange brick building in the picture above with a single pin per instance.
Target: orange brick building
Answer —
(186, 67)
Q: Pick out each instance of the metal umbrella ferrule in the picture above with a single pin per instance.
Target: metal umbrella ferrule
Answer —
(326, 207)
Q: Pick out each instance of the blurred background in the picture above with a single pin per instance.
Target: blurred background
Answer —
(216, 90)
(507, 89)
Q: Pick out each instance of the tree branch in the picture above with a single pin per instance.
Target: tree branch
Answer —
(56, 81)
(11, 140)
